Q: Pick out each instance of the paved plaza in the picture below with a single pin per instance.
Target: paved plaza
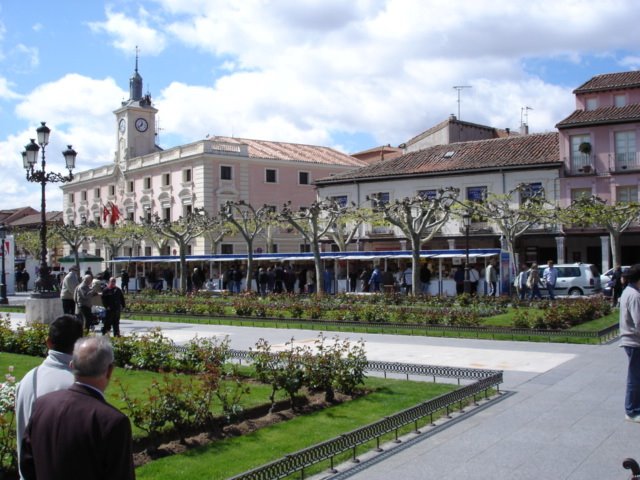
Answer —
(563, 417)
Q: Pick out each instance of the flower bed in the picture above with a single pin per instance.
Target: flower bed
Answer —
(384, 308)
(391, 309)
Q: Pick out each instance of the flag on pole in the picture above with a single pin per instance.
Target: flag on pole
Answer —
(105, 213)
(115, 213)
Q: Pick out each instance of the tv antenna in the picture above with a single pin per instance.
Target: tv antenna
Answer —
(459, 88)
(524, 115)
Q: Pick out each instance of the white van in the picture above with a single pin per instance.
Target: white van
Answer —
(577, 279)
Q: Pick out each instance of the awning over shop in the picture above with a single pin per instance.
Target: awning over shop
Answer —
(308, 257)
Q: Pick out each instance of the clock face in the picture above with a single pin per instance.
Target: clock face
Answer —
(141, 125)
(122, 125)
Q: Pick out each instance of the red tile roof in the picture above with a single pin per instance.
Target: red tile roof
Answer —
(610, 81)
(513, 152)
(293, 152)
(34, 220)
(382, 148)
(11, 215)
(444, 124)
(628, 113)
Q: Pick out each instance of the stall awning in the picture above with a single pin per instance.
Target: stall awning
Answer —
(308, 257)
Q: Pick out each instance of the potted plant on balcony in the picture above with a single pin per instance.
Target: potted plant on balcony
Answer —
(584, 147)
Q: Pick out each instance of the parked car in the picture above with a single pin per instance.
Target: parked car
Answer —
(605, 278)
(577, 279)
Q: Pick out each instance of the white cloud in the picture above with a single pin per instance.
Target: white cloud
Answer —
(313, 71)
(128, 33)
(312, 68)
(631, 62)
(79, 112)
(6, 91)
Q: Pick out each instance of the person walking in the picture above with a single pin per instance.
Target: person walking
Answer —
(83, 296)
(25, 280)
(474, 279)
(374, 280)
(458, 277)
(364, 280)
(630, 341)
(18, 279)
(74, 434)
(617, 285)
(491, 277)
(425, 278)
(550, 276)
(124, 281)
(407, 281)
(263, 280)
(311, 280)
(521, 282)
(68, 289)
(533, 282)
(53, 374)
(113, 301)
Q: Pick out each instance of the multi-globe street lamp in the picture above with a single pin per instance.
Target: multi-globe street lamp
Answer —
(3, 281)
(44, 284)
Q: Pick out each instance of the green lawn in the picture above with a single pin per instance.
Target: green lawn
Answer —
(226, 458)
(221, 460)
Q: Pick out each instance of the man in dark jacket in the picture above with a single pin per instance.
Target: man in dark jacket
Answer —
(74, 434)
(113, 301)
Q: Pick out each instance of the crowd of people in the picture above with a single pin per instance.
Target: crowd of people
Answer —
(93, 299)
(530, 281)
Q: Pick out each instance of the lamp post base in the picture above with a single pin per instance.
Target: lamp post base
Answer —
(467, 287)
(43, 309)
(3, 294)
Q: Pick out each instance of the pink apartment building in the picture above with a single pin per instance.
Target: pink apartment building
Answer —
(145, 179)
(598, 147)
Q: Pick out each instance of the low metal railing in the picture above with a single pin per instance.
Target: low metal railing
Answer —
(485, 380)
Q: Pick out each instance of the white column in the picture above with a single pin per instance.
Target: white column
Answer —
(560, 249)
(606, 248)
(452, 243)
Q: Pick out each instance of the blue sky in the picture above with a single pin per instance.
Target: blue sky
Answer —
(350, 75)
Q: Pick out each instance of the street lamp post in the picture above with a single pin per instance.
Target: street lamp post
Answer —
(3, 284)
(466, 220)
(44, 284)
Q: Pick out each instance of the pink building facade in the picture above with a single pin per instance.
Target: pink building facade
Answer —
(598, 145)
(146, 180)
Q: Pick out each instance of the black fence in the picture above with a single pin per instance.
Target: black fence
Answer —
(482, 382)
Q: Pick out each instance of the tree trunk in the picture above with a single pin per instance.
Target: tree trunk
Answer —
(615, 248)
(249, 275)
(415, 265)
(183, 267)
(318, 266)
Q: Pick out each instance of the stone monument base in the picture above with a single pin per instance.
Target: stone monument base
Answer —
(43, 309)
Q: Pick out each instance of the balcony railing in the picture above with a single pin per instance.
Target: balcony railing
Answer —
(626, 161)
(582, 164)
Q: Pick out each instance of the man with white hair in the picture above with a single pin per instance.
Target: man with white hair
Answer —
(83, 297)
(68, 289)
(74, 434)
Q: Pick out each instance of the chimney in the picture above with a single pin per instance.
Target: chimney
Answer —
(508, 130)
(524, 129)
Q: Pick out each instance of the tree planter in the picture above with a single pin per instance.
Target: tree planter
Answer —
(584, 147)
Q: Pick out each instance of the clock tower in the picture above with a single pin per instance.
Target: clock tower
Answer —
(136, 124)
